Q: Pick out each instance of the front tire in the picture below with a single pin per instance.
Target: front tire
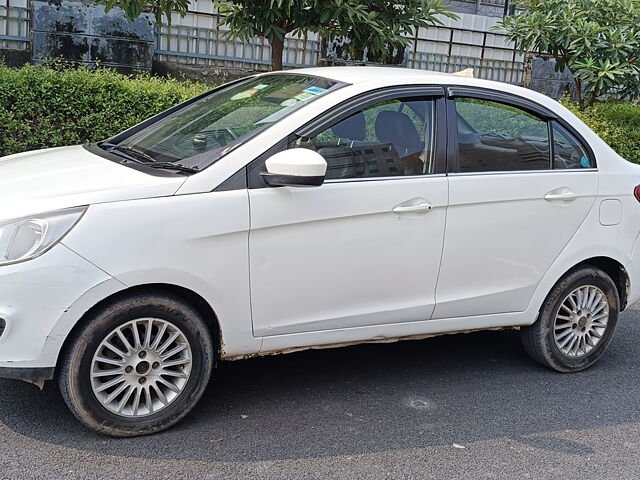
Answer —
(576, 321)
(137, 366)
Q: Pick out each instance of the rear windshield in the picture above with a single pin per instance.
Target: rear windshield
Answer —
(202, 132)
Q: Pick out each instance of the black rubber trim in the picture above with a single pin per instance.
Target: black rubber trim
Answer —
(141, 167)
(30, 374)
(551, 143)
(276, 180)
(237, 181)
(346, 108)
(453, 165)
(441, 137)
(501, 97)
(257, 167)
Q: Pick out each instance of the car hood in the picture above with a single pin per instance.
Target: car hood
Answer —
(55, 178)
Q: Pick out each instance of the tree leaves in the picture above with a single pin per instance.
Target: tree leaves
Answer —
(377, 25)
(597, 40)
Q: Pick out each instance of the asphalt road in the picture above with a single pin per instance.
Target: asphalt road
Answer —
(465, 406)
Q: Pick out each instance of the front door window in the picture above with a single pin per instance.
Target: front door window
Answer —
(388, 139)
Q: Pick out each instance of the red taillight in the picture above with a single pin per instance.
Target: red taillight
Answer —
(636, 193)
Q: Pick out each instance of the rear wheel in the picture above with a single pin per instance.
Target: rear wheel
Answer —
(576, 322)
(138, 365)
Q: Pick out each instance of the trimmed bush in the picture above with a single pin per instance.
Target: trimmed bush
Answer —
(46, 106)
(617, 123)
(49, 106)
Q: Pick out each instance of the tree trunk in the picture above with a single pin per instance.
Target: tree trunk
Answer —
(277, 47)
(579, 98)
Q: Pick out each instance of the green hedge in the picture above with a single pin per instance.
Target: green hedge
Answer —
(49, 106)
(617, 123)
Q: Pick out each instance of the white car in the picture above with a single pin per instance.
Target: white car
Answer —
(304, 209)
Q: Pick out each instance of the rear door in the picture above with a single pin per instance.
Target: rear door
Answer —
(521, 183)
(364, 248)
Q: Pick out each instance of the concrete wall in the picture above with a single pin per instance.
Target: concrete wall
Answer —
(84, 33)
(14, 58)
(540, 75)
(489, 8)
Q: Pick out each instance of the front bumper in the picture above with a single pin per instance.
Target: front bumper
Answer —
(41, 300)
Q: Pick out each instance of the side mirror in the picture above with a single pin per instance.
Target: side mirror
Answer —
(297, 167)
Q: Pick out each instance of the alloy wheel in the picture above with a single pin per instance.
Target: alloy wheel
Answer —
(581, 321)
(141, 367)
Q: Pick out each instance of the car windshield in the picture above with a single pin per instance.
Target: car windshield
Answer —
(202, 132)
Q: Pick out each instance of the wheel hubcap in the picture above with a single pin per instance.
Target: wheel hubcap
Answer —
(581, 321)
(141, 367)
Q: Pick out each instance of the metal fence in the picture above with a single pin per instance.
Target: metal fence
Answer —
(14, 24)
(495, 8)
(198, 39)
(450, 49)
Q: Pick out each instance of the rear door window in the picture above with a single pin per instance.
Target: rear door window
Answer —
(495, 137)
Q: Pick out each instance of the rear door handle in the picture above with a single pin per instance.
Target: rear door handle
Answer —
(419, 208)
(561, 194)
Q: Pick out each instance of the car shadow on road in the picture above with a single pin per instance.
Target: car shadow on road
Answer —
(368, 398)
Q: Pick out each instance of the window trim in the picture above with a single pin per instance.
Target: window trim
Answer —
(353, 105)
(378, 179)
(359, 102)
(511, 100)
(501, 97)
(558, 171)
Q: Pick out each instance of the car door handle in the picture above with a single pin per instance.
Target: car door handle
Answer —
(564, 195)
(419, 208)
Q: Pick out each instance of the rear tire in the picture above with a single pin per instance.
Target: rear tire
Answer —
(120, 375)
(576, 322)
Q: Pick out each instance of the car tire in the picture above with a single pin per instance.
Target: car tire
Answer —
(576, 322)
(162, 382)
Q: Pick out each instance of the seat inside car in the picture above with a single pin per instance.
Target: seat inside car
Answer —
(396, 150)
(398, 131)
(342, 160)
(351, 129)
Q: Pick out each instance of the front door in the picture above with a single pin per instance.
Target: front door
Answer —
(364, 248)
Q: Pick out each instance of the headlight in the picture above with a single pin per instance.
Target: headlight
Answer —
(28, 237)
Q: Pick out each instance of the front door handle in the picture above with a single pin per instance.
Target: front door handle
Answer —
(561, 194)
(419, 208)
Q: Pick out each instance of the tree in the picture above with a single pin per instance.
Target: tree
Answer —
(597, 40)
(379, 26)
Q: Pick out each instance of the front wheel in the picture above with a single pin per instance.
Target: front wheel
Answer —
(576, 322)
(137, 366)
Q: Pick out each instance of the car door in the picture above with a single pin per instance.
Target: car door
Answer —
(364, 248)
(521, 183)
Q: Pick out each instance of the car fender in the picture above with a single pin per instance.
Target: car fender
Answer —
(590, 241)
